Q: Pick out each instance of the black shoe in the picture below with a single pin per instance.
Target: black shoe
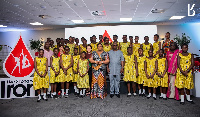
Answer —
(140, 94)
(143, 95)
(46, 99)
(38, 100)
(75, 93)
(160, 97)
(191, 102)
(154, 98)
(81, 96)
(111, 95)
(49, 95)
(118, 95)
(164, 98)
(66, 96)
(55, 97)
(42, 97)
(148, 97)
(182, 103)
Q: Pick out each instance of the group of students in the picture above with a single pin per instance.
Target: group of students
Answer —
(145, 65)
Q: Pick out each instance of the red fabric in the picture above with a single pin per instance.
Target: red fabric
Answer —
(36, 53)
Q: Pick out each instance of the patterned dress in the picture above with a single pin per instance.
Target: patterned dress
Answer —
(98, 76)
(56, 66)
(124, 47)
(183, 81)
(135, 49)
(129, 69)
(83, 48)
(71, 46)
(142, 77)
(152, 82)
(75, 76)
(94, 46)
(40, 82)
(66, 61)
(156, 48)
(163, 82)
(166, 46)
(146, 49)
(83, 82)
(107, 48)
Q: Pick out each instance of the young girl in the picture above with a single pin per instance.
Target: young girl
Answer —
(83, 47)
(136, 46)
(156, 46)
(130, 71)
(66, 63)
(146, 46)
(54, 72)
(141, 77)
(75, 72)
(162, 74)
(184, 77)
(41, 78)
(83, 79)
(71, 45)
(124, 45)
(151, 66)
(107, 46)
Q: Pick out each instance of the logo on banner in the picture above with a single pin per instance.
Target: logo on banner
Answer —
(107, 35)
(19, 62)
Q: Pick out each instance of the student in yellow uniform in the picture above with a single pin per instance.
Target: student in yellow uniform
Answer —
(141, 77)
(156, 46)
(83, 77)
(54, 72)
(83, 47)
(76, 57)
(136, 46)
(71, 45)
(41, 78)
(106, 46)
(124, 45)
(94, 43)
(184, 75)
(51, 45)
(151, 66)
(66, 63)
(162, 74)
(130, 71)
(77, 45)
(146, 46)
(115, 37)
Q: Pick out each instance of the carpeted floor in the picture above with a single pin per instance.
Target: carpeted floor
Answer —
(85, 107)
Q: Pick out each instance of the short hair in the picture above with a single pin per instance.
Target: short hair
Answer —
(141, 49)
(41, 50)
(130, 36)
(99, 44)
(115, 36)
(146, 36)
(167, 32)
(75, 48)
(93, 36)
(125, 35)
(89, 45)
(129, 47)
(151, 50)
(136, 36)
(175, 44)
(156, 35)
(66, 47)
(162, 50)
(104, 39)
(55, 49)
(83, 52)
(184, 45)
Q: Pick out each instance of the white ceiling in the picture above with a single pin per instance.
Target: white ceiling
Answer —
(19, 14)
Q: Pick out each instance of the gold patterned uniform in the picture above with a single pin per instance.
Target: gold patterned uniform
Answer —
(40, 82)
(183, 81)
(75, 76)
(83, 48)
(66, 61)
(135, 49)
(146, 49)
(156, 48)
(71, 46)
(142, 77)
(94, 46)
(163, 82)
(56, 65)
(107, 48)
(152, 82)
(129, 69)
(124, 47)
(83, 82)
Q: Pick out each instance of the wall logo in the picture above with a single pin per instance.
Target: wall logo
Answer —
(19, 62)
(191, 11)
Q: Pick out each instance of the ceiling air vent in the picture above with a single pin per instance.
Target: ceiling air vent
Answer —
(157, 11)
(98, 13)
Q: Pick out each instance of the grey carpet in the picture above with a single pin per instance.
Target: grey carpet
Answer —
(85, 107)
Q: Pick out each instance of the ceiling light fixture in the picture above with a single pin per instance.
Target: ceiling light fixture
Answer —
(2, 26)
(125, 19)
(176, 17)
(77, 21)
(36, 23)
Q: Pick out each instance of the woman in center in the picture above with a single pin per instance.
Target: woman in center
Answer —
(99, 60)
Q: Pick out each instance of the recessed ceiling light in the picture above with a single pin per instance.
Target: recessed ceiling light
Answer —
(36, 23)
(2, 26)
(125, 19)
(176, 17)
(77, 21)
